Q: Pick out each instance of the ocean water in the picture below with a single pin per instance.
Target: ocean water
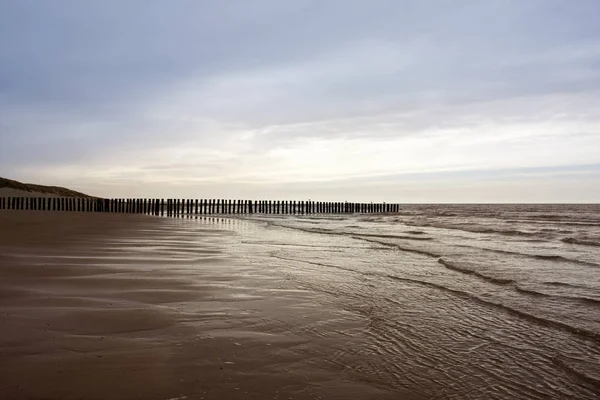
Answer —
(461, 301)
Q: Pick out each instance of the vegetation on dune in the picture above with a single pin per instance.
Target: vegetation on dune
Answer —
(28, 187)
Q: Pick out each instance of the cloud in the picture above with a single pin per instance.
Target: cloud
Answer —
(279, 93)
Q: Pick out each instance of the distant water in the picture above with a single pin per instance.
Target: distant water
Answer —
(462, 301)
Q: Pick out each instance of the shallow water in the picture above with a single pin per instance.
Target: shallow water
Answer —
(457, 301)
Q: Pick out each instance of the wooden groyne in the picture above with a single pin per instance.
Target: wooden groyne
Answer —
(191, 207)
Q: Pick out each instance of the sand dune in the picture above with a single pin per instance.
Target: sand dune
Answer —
(12, 188)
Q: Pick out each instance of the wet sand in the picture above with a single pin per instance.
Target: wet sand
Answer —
(107, 306)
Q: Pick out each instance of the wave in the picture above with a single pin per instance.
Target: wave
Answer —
(519, 313)
(564, 284)
(401, 248)
(536, 256)
(454, 267)
(558, 360)
(562, 259)
(583, 242)
(503, 232)
(391, 236)
(532, 292)
(470, 296)
(520, 289)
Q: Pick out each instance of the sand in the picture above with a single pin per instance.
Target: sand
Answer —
(106, 306)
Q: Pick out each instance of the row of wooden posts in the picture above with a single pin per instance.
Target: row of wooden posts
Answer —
(187, 207)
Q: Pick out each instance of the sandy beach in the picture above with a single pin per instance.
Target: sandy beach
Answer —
(466, 302)
(98, 306)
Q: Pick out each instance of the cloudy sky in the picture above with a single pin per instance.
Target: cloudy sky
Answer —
(400, 100)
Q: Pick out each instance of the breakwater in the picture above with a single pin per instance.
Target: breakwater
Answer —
(187, 207)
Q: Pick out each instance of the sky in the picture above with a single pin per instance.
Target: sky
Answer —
(400, 101)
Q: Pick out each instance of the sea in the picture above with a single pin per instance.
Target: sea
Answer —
(457, 301)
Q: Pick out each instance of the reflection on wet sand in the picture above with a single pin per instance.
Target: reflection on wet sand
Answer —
(138, 307)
